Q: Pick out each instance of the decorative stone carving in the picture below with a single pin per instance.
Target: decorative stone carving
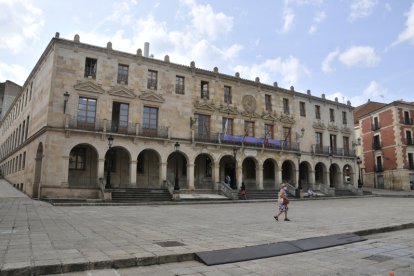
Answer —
(346, 130)
(269, 116)
(250, 114)
(249, 103)
(319, 125)
(227, 109)
(122, 92)
(151, 96)
(89, 86)
(287, 119)
(206, 106)
(333, 128)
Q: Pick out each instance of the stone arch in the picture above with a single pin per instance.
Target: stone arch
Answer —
(304, 175)
(177, 169)
(117, 167)
(203, 171)
(228, 166)
(269, 174)
(334, 176)
(288, 172)
(320, 174)
(83, 166)
(38, 171)
(249, 166)
(148, 169)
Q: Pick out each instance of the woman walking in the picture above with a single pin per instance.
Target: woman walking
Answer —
(283, 202)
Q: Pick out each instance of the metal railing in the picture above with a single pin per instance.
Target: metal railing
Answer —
(121, 128)
(376, 126)
(379, 168)
(409, 141)
(227, 191)
(407, 121)
(208, 137)
(159, 132)
(77, 123)
(376, 145)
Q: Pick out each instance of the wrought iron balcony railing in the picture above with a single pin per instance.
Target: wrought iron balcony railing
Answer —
(376, 126)
(407, 121)
(379, 168)
(376, 146)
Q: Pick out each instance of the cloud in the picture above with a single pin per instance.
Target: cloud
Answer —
(361, 9)
(326, 63)
(290, 70)
(320, 17)
(13, 72)
(375, 91)
(288, 18)
(360, 56)
(20, 24)
(408, 34)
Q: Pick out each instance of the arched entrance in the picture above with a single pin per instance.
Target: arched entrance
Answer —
(38, 171)
(148, 169)
(320, 174)
(83, 166)
(203, 170)
(249, 173)
(334, 173)
(288, 172)
(228, 167)
(304, 174)
(177, 169)
(269, 174)
(117, 160)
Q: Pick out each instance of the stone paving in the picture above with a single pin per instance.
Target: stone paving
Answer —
(36, 237)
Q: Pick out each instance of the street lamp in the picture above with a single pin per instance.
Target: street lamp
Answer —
(235, 166)
(177, 148)
(65, 100)
(359, 161)
(109, 166)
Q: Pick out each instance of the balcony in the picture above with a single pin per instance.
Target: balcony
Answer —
(207, 137)
(121, 128)
(319, 149)
(376, 126)
(409, 141)
(379, 168)
(90, 124)
(407, 121)
(157, 132)
(376, 146)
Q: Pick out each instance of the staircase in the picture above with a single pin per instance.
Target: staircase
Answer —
(339, 192)
(262, 194)
(140, 194)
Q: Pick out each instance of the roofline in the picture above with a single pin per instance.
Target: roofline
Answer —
(394, 103)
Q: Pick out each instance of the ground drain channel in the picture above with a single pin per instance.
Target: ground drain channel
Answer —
(226, 256)
(169, 243)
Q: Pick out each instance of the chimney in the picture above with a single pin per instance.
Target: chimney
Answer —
(146, 49)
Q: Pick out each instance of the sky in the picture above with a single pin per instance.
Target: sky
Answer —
(350, 49)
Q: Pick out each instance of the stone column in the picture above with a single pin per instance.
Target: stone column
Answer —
(101, 168)
(239, 173)
(133, 173)
(65, 171)
(312, 179)
(190, 176)
(278, 178)
(216, 174)
(163, 172)
(259, 177)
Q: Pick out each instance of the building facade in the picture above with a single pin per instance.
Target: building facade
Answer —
(8, 92)
(386, 132)
(170, 124)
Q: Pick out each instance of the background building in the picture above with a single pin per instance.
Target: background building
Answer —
(8, 92)
(387, 145)
(172, 125)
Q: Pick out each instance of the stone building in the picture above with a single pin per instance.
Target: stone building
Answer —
(387, 145)
(8, 92)
(172, 125)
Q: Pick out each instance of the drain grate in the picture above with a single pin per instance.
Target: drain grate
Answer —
(378, 258)
(170, 243)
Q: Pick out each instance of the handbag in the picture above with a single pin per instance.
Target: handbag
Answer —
(285, 201)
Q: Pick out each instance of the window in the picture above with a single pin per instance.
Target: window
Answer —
(344, 119)
(376, 124)
(86, 112)
(379, 164)
(268, 131)
(287, 136)
(377, 142)
(332, 114)
(302, 109)
(150, 119)
(408, 137)
(333, 143)
(317, 112)
(152, 79)
(179, 85)
(120, 113)
(268, 102)
(90, 68)
(227, 126)
(410, 161)
(407, 119)
(249, 128)
(123, 74)
(286, 106)
(77, 158)
(318, 140)
(203, 124)
(24, 160)
(346, 145)
(227, 94)
(204, 90)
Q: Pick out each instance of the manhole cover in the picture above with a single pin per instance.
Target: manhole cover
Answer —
(170, 243)
(378, 258)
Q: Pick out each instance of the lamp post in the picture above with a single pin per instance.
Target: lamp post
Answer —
(65, 100)
(176, 183)
(235, 166)
(359, 161)
(109, 167)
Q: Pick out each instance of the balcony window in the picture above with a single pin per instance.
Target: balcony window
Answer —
(410, 161)
(179, 85)
(227, 126)
(249, 128)
(377, 142)
(317, 112)
(227, 94)
(86, 112)
(90, 68)
(203, 125)
(152, 79)
(286, 106)
(318, 140)
(346, 145)
(268, 131)
(287, 136)
(376, 124)
(123, 74)
(150, 118)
